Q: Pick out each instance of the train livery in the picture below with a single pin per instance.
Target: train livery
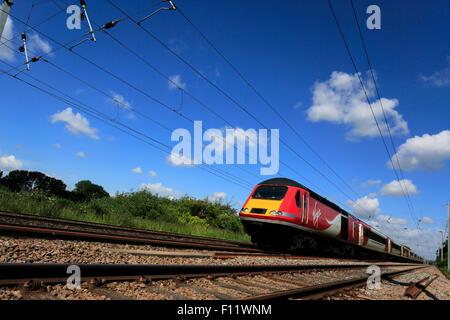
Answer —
(283, 213)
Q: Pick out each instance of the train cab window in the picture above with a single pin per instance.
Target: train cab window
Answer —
(270, 192)
(298, 199)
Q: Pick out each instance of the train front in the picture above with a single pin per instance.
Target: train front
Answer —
(270, 214)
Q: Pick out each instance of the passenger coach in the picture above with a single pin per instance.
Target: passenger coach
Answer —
(284, 214)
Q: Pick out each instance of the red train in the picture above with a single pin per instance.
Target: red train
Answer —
(283, 213)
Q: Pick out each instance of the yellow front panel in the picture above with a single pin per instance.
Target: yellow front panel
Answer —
(270, 205)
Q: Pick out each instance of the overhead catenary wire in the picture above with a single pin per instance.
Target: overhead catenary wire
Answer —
(92, 112)
(127, 16)
(260, 95)
(127, 83)
(382, 108)
(367, 97)
(146, 31)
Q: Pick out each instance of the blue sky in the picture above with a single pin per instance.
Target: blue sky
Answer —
(293, 55)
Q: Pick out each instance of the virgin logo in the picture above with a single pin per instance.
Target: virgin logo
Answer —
(316, 214)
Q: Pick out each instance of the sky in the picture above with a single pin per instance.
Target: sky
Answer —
(292, 54)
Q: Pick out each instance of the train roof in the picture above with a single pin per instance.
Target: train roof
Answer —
(292, 183)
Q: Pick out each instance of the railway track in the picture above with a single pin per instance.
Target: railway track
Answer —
(11, 222)
(185, 282)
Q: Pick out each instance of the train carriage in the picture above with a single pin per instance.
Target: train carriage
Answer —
(283, 213)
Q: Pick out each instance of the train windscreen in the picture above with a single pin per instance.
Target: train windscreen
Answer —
(270, 192)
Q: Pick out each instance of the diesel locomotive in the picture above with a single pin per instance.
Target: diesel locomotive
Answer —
(283, 214)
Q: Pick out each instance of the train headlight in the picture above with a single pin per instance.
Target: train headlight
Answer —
(244, 210)
(276, 213)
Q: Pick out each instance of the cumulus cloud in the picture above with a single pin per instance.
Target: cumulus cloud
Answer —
(137, 170)
(152, 174)
(178, 160)
(9, 163)
(119, 99)
(389, 219)
(158, 188)
(423, 241)
(217, 197)
(176, 83)
(398, 188)
(427, 220)
(341, 100)
(76, 123)
(297, 105)
(370, 183)
(80, 154)
(37, 45)
(428, 152)
(8, 32)
(365, 207)
(439, 78)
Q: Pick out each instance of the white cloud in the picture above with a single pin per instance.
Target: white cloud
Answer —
(179, 160)
(175, 82)
(399, 188)
(137, 170)
(439, 78)
(365, 207)
(217, 197)
(37, 46)
(389, 219)
(80, 154)
(341, 100)
(370, 183)
(428, 152)
(76, 123)
(422, 241)
(8, 32)
(57, 145)
(9, 163)
(427, 220)
(297, 105)
(158, 188)
(119, 99)
(152, 174)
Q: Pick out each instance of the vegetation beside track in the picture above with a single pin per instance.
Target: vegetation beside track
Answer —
(35, 193)
(442, 263)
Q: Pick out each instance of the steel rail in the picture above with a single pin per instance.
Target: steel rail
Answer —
(49, 273)
(97, 236)
(417, 288)
(32, 217)
(319, 291)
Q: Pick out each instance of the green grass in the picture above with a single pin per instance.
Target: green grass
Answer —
(135, 210)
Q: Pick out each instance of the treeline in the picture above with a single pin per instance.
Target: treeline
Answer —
(22, 180)
(37, 193)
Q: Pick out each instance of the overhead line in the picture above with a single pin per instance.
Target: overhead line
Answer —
(381, 104)
(265, 101)
(101, 117)
(368, 100)
(225, 94)
(156, 100)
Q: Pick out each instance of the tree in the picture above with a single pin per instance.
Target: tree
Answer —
(22, 180)
(85, 190)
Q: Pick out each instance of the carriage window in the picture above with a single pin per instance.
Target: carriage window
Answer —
(270, 192)
(297, 199)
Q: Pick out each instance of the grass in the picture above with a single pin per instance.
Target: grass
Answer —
(135, 210)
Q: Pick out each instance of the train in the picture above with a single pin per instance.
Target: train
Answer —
(283, 214)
